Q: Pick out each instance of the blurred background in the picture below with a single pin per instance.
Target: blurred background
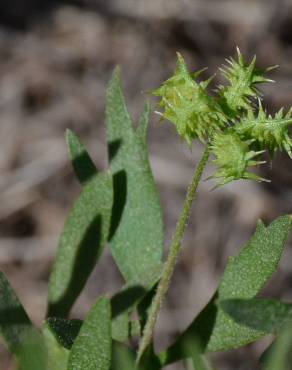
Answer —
(55, 60)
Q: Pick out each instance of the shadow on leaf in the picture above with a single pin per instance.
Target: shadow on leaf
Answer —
(88, 252)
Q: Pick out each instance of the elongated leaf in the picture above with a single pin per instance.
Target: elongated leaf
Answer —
(83, 165)
(266, 315)
(81, 243)
(64, 330)
(149, 360)
(123, 358)
(198, 362)
(19, 334)
(122, 305)
(244, 277)
(143, 307)
(92, 347)
(136, 237)
(57, 355)
(280, 354)
(121, 327)
(197, 358)
(269, 316)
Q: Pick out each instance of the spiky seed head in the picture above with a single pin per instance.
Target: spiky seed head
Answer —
(267, 132)
(237, 128)
(188, 106)
(233, 158)
(243, 79)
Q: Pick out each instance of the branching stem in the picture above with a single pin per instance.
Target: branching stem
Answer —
(172, 256)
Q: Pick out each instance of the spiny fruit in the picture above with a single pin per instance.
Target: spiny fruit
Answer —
(266, 131)
(233, 158)
(188, 106)
(230, 121)
(243, 79)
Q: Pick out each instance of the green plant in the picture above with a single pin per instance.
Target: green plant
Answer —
(121, 207)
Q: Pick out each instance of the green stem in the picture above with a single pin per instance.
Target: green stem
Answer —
(172, 256)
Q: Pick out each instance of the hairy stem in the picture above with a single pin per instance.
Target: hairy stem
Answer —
(172, 256)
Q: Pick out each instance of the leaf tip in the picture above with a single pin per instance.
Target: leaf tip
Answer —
(69, 134)
(116, 76)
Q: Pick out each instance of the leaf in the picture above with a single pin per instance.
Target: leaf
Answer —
(57, 354)
(81, 243)
(135, 328)
(64, 330)
(280, 354)
(18, 332)
(92, 347)
(136, 236)
(121, 327)
(83, 165)
(266, 315)
(123, 304)
(143, 307)
(195, 338)
(198, 359)
(198, 362)
(244, 277)
(149, 360)
(123, 357)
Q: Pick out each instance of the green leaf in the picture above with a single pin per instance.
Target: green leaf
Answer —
(92, 347)
(195, 338)
(121, 327)
(266, 315)
(136, 236)
(198, 359)
(149, 360)
(123, 304)
(143, 307)
(83, 165)
(199, 362)
(280, 353)
(193, 350)
(18, 332)
(57, 355)
(123, 357)
(244, 277)
(64, 330)
(81, 243)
